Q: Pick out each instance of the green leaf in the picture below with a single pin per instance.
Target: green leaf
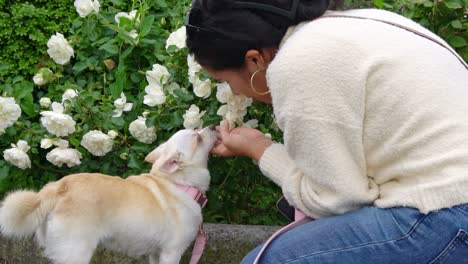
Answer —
(118, 122)
(456, 24)
(23, 89)
(133, 161)
(457, 42)
(4, 170)
(4, 66)
(127, 52)
(28, 108)
(79, 66)
(150, 121)
(161, 3)
(146, 25)
(452, 4)
(120, 82)
(378, 3)
(74, 142)
(110, 47)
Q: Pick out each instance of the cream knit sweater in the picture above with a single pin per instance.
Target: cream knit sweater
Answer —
(372, 115)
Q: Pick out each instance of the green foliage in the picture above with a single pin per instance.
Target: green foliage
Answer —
(108, 61)
(446, 18)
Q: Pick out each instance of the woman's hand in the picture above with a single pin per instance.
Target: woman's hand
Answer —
(240, 141)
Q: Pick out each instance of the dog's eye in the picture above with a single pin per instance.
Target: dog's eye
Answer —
(199, 138)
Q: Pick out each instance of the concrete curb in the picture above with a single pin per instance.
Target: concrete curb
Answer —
(227, 244)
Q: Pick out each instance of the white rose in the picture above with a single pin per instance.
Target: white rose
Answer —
(154, 95)
(97, 143)
(47, 143)
(240, 102)
(42, 76)
(202, 88)
(121, 105)
(235, 109)
(17, 155)
(9, 112)
(253, 123)
(86, 7)
(192, 117)
(230, 114)
(177, 38)
(112, 134)
(69, 94)
(56, 122)
(224, 93)
(45, 102)
(133, 34)
(158, 75)
(64, 155)
(141, 132)
(38, 79)
(131, 16)
(59, 49)
(193, 65)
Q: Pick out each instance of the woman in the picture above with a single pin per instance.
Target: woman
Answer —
(375, 121)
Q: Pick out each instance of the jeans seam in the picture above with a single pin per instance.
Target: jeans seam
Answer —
(413, 228)
(396, 221)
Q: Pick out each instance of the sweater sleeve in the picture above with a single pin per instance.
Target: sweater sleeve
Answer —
(327, 175)
(317, 82)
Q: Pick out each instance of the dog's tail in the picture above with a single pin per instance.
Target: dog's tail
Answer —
(23, 211)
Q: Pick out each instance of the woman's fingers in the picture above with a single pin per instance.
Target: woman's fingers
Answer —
(224, 129)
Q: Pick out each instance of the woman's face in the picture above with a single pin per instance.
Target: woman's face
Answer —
(239, 81)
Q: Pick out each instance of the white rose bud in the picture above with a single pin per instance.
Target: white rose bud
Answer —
(69, 94)
(112, 134)
(38, 79)
(45, 102)
(47, 143)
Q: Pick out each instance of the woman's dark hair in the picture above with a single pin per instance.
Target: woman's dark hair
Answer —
(220, 32)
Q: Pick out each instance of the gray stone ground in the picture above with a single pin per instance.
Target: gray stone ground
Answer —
(226, 244)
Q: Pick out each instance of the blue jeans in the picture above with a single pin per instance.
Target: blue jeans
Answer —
(374, 235)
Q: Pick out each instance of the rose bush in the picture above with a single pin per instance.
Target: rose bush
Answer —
(109, 90)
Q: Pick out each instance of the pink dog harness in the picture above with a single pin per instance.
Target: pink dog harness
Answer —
(200, 241)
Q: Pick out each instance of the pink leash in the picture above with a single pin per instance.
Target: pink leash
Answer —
(200, 241)
(299, 219)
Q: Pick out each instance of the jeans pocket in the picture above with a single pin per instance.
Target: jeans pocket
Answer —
(456, 251)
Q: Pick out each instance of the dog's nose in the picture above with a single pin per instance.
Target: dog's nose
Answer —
(212, 127)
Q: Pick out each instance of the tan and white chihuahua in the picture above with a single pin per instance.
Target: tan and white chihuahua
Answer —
(145, 214)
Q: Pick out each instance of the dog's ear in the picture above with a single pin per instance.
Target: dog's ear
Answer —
(155, 154)
(171, 164)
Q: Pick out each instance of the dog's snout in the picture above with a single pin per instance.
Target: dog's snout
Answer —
(212, 127)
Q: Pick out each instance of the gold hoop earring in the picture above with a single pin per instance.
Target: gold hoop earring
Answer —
(253, 87)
